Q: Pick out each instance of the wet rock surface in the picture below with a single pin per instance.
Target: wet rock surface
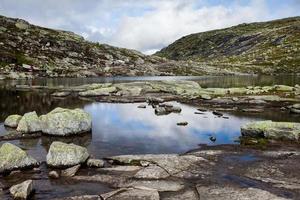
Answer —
(66, 155)
(13, 158)
(22, 190)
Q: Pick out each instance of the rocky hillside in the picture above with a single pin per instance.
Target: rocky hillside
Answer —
(267, 47)
(28, 51)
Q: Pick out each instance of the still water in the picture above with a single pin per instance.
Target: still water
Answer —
(124, 128)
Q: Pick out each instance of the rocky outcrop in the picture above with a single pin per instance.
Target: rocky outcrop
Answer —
(132, 193)
(12, 121)
(13, 158)
(272, 130)
(64, 122)
(267, 47)
(66, 155)
(29, 123)
(22, 190)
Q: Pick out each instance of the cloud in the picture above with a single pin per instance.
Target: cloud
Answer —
(145, 25)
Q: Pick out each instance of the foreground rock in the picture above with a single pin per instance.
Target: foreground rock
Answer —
(70, 171)
(64, 122)
(272, 130)
(66, 155)
(22, 190)
(12, 121)
(232, 193)
(13, 158)
(95, 163)
(29, 123)
(141, 193)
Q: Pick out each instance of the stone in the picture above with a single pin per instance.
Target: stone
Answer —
(188, 194)
(53, 174)
(142, 106)
(152, 172)
(22, 190)
(122, 168)
(159, 185)
(14, 158)
(83, 197)
(205, 97)
(95, 163)
(232, 193)
(283, 88)
(29, 123)
(217, 113)
(12, 121)
(139, 193)
(105, 91)
(65, 155)
(272, 130)
(154, 100)
(65, 122)
(182, 123)
(70, 171)
(61, 94)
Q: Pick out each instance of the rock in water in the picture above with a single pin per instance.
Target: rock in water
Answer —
(70, 171)
(182, 123)
(29, 123)
(12, 158)
(22, 190)
(12, 121)
(95, 163)
(53, 174)
(63, 122)
(272, 130)
(65, 155)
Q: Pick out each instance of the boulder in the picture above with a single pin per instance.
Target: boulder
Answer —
(29, 123)
(12, 158)
(22, 190)
(65, 155)
(12, 121)
(64, 122)
(272, 130)
(95, 163)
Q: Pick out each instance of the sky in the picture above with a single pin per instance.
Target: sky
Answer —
(145, 25)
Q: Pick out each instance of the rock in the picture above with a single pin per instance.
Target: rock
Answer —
(122, 168)
(142, 106)
(165, 105)
(182, 123)
(14, 158)
(166, 110)
(22, 190)
(172, 163)
(70, 171)
(159, 185)
(252, 110)
(235, 99)
(232, 193)
(95, 163)
(65, 155)
(29, 123)
(12, 121)
(139, 193)
(217, 113)
(205, 97)
(284, 88)
(64, 122)
(152, 172)
(61, 94)
(272, 130)
(83, 197)
(295, 111)
(154, 100)
(188, 194)
(99, 92)
(212, 138)
(202, 109)
(53, 174)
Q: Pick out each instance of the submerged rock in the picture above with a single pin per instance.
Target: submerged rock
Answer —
(13, 158)
(53, 174)
(182, 123)
(272, 130)
(64, 122)
(66, 155)
(22, 190)
(12, 121)
(29, 123)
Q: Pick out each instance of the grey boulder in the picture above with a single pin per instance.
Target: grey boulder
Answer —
(29, 123)
(22, 190)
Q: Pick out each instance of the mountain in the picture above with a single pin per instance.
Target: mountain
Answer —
(263, 48)
(28, 51)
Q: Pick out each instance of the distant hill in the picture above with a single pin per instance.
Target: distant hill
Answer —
(266, 47)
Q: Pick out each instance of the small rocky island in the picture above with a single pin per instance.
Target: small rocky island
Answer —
(56, 144)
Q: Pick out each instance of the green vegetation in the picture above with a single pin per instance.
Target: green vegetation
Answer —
(267, 47)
